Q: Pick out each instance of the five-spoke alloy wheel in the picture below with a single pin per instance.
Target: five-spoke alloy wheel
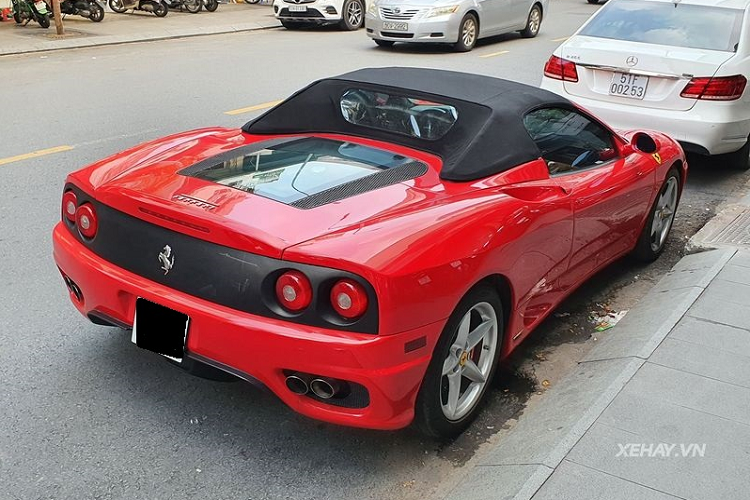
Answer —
(353, 15)
(654, 235)
(462, 366)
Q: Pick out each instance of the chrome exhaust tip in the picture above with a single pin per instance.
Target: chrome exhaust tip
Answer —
(297, 384)
(324, 389)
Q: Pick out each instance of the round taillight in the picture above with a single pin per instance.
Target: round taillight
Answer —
(69, 205)
(293, 290)
(86, 220)
(349, 299)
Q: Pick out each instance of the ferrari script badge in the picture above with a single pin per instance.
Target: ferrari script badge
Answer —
(166, 259)
(657, 157)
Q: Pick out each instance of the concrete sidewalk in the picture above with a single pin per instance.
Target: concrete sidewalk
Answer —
(134, 27)
(659, 409)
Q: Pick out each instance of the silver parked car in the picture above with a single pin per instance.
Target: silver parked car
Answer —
(458, 22)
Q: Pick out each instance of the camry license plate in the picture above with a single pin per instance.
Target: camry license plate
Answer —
(160, 329)
(396, 26)
(627, 85)
(298, 8)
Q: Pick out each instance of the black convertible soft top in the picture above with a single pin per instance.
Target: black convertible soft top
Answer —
(488, 137)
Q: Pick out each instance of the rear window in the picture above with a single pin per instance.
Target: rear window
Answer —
(396, 113)
(667, 23)
(298, 168)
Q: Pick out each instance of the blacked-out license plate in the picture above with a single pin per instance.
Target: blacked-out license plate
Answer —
(160, 329)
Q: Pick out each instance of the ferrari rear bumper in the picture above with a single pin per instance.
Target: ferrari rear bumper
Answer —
(260, 348)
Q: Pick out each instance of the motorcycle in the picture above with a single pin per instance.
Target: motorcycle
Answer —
(28, 10)
(192, 6)
(211, 5)
(158, 7)
(90, 9)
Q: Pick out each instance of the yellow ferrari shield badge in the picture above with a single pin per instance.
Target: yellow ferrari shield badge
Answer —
(657, 157)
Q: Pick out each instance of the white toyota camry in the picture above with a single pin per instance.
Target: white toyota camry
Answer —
(679, 67)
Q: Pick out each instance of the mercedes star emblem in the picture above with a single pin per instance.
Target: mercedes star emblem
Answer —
(631, 61)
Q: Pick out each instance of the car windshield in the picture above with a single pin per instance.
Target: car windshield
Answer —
(395, 113)
(667, 23)
(298, 168)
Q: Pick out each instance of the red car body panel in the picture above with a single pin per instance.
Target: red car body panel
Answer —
(422, 244)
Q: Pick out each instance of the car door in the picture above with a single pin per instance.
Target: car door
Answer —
(518, 14)
(494, 16)
(610, 189)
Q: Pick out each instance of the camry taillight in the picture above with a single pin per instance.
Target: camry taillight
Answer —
(293, 291)
(720, 88)
(86, 220)
(69, 205)
(349, 299)
(561, 69)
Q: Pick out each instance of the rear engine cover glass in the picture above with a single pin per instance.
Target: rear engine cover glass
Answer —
(297, 169)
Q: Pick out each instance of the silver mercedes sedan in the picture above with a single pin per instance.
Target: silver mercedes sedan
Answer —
(458, 22)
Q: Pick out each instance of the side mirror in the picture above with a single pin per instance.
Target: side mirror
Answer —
(644, 143)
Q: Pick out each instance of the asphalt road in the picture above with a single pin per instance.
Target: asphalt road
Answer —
(85, 414)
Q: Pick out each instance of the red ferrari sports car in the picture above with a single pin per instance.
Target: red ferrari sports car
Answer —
(371, 248)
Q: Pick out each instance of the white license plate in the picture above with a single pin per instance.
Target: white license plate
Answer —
(41, 7)
(396, 26)
(298, 8)
(627, 85)
(160, 329)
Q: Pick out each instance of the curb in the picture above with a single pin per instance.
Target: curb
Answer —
(714, 233)
(120, 40)
(524, 458)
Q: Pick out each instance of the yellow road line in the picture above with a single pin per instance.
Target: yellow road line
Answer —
(493, 54)
(560, 39)
(35, 154)
(257, 107)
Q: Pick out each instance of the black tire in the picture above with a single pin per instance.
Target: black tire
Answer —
(293, 25)
(161, 9)
(17, 18)
(211, 5)
(429, 416)
(645, 250)
(352, 15)
(466, 41)
(193, 6)
(533, 22)
(252, 1)
(97, 12)
(384, 43)
(117, 6)
(739, 160)
(43, 20)
(594, 2)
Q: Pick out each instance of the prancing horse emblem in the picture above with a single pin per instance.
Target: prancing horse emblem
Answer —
(167, 259)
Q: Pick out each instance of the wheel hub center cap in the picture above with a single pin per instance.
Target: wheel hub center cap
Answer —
(463, 358)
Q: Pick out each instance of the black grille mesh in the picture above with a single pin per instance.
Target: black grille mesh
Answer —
(384, 178)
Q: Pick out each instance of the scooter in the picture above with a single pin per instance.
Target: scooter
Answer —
(158, 7)
(90, 9)
(192, 6)
(27, 10)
